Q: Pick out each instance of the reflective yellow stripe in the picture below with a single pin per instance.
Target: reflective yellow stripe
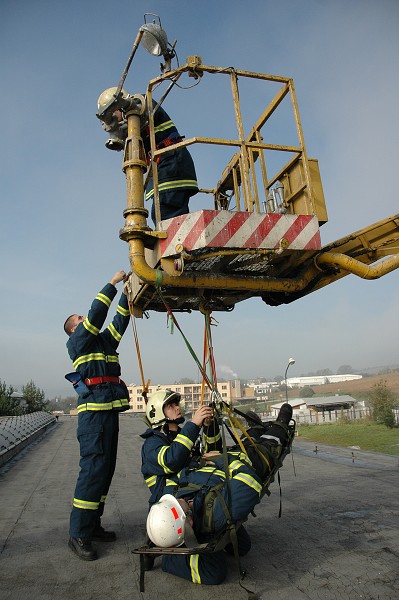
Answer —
(212, 440)
(234, 465)
(115, 334)
(85, 504)
(103, 499)
(171, 482)
(85, 358)
(90, 327)
(123, 311)
(112, 358)
(241, 456)
(184, 441)
(165, 125)
(248, 480)
(244, 458)
(212, 470)
(195, 576)
(167, 185)
(103, 298)
(161, 461)
(171, 185)
(103, 405)
(150, 481)
(88, 357)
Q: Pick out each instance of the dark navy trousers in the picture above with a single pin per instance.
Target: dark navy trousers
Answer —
(204, 569)
(208, 568)
(98, 439)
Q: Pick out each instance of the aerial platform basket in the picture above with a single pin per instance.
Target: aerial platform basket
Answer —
(261, 238)
(264, 221)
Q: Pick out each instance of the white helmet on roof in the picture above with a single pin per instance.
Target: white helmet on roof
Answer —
(165, 522)
(155, 405)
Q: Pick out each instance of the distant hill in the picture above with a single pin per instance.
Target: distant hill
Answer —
(377, 370)
(359, 386)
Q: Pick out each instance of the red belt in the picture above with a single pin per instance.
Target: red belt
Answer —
(169, 142)
(98, 380)
(164, 144)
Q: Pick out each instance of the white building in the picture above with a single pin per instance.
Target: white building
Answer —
(320, 380)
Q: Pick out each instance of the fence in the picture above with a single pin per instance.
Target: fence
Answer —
(313, 417)
(18, 432)
(332, 416)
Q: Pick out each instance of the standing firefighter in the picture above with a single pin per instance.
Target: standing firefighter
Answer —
(177, 180)
(102, 396)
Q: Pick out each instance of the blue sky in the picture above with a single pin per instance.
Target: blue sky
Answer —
(63, 194)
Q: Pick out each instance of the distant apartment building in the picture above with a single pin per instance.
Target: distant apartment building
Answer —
(263, 389)
(231, 392)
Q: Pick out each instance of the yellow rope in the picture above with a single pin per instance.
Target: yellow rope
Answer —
(232, 420)
(136, 339)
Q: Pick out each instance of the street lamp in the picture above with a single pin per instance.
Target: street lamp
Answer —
(291, 361)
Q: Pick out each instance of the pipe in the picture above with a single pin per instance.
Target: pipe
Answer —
(244, 283)
(356, 267)
(213, 281)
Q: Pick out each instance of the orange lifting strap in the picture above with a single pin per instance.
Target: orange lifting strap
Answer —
(208, 353)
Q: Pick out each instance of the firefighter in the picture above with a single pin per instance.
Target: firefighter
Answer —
(204, 503)
(102, 396)
(168, 448)
(177, 180)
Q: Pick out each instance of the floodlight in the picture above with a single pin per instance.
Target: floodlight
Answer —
(154, 39)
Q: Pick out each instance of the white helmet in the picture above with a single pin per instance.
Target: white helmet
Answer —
(155, 404)
(107, 95)
(165, 522)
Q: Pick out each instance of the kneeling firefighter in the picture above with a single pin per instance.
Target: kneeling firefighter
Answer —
(205, 502)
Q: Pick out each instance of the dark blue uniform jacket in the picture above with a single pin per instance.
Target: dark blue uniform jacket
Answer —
(165, 455)
(93, 352)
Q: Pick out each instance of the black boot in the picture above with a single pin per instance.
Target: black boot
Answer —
(279, 428)
(256, 427)
(82, 548)
(285, 414)
(253, 418)
(100, 535)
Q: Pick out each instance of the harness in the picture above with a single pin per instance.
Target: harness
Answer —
(170, 141)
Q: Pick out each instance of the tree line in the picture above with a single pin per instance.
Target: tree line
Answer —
(11, 405)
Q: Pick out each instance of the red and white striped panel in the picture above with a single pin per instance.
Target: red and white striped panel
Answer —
(228, 229)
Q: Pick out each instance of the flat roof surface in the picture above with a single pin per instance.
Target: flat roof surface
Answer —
(337, 537)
